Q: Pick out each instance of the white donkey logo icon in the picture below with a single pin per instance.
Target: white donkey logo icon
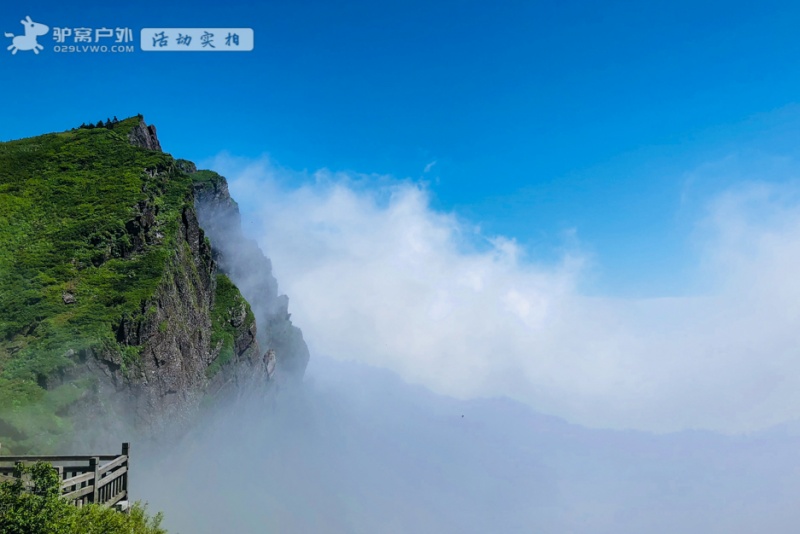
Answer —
(28, 41)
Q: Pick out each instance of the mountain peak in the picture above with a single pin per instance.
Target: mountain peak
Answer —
(142, 135)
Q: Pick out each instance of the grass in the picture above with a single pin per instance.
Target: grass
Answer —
(228, 306)
(74, 262)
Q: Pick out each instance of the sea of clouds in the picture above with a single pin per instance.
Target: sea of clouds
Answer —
(377, 275)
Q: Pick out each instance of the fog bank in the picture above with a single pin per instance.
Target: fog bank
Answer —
(357, 450)
(378, 274)
(435, 359)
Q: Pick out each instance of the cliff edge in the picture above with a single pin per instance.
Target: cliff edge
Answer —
(120, 302)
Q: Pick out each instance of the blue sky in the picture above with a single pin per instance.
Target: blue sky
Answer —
(543, 118)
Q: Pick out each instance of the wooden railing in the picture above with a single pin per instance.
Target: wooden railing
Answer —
(99, 479)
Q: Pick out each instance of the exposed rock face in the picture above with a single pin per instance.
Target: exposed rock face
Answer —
(244, 262)
(269, 360)
(144, 136)
(176, 356)
(160, 394)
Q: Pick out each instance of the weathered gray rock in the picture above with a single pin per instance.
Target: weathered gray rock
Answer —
(269, 359)
(186, 166)
(145, 136)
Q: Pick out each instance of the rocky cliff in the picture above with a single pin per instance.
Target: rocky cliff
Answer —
(243, 261)
(120, 308)
(144, 136)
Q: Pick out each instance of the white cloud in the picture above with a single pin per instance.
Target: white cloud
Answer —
(378, 276)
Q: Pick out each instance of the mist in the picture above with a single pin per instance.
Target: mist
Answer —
(378, 275)
(357, 450)
(416, 412)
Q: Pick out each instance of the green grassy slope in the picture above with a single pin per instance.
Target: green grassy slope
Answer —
(68, 205)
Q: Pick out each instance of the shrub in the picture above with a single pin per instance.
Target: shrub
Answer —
(31, 504)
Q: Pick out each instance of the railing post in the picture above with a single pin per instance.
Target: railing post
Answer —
(94, 465)
(60, 470)
(126, 450)
(18, 473)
